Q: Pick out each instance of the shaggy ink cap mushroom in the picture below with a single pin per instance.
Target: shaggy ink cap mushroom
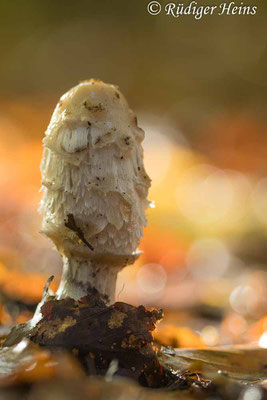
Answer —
(94, 187)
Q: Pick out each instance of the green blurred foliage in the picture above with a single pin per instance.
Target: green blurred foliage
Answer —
(184, 68)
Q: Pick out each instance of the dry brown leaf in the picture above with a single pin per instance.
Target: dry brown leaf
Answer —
(246, 364)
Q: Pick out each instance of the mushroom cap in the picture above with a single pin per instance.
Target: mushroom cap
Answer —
(97, 103)
(92, 169)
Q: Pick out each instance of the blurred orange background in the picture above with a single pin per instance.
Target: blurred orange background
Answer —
(199, 90)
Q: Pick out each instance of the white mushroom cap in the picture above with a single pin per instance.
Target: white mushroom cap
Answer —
(93, 175)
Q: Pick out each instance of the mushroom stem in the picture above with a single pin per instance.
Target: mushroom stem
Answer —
(80, 276)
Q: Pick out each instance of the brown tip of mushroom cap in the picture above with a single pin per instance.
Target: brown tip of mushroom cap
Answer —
(94, 103)
(92, 100)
